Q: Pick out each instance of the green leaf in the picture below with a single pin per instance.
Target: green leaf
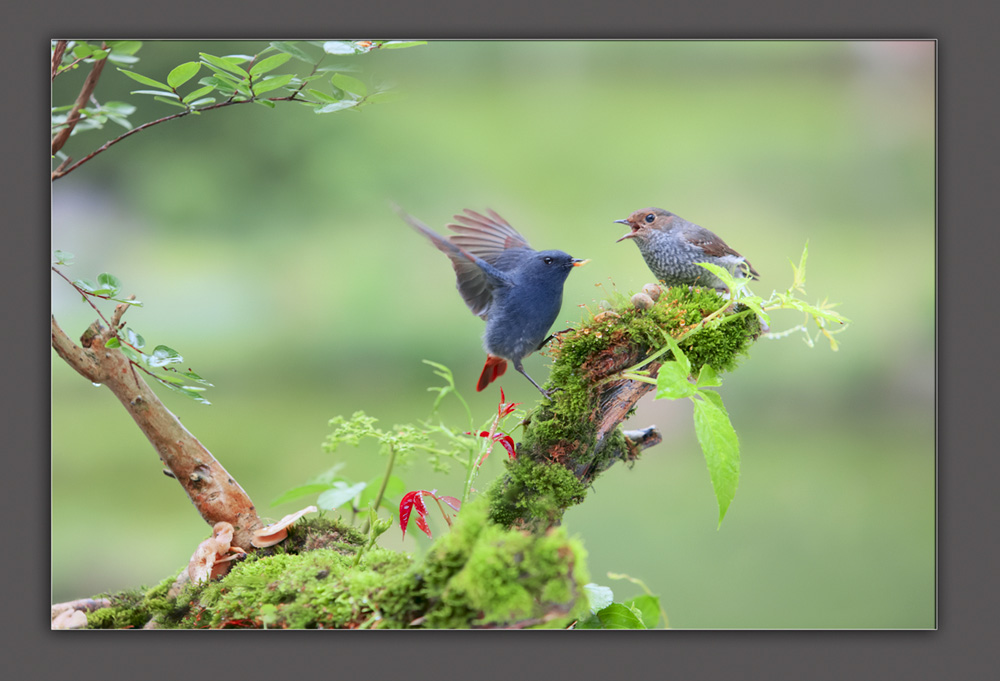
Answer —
(672, 382)
(299, 492)
(202, 102)
(618, 616)
(722, 273)
(272, 83)
(134, 339)
(720, 446)
(194, 377)
(183, 73)
(171, 102)
(63, 257)
(122, 59)
(399, 44)
(337, 106)
(648, 608)
(187, 391)
(340, 494)
(339, 47)
(226, 64)
(221, 79)
(162, 356)
(145, 80)
(160, 93)
(598, 596)
(318, 94)
(328, 476)
(799, 273)
(124, 47)
(707, 378)
(267, 103)
(119, 108)
(113, 342)
(269, 64)
(197, 93)
(292, 49)
(349, 83)
(82, 50)
(132, 355)
(110, 282)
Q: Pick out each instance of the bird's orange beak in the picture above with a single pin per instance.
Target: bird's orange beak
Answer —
(580, 263)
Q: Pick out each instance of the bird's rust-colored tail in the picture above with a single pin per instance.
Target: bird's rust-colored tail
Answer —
(492, 370)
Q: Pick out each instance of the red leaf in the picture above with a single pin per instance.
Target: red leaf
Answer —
(410, 501)
(453, 502)
(508, 443)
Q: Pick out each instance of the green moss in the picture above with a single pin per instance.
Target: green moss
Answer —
(484, 575)
(536, 490)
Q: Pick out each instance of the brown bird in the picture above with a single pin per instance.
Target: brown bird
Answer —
(672, 247)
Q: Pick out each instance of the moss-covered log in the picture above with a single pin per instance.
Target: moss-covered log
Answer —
(479, 575)
(576, 435)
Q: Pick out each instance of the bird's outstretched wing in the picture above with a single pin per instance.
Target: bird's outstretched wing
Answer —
(487, 236)
(476, 277)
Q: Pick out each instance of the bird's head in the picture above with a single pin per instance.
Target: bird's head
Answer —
(552, 266)
(641, 222)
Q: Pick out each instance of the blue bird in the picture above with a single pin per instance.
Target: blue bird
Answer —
(514, 288)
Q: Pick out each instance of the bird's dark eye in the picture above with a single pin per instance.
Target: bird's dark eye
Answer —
(650, 217)
(547, 260)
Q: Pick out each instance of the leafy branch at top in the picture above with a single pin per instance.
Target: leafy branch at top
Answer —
(236, 79)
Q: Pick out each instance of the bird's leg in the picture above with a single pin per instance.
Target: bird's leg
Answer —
(520, 368)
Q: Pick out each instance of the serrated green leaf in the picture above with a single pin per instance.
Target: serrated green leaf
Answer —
(292, 49)
(399, 44)
(598, 596)
(722, 273)
(618, 616)
(113, 342)
(339, 494)
(223, 63)
(269, 64)
(707, 378)
(272, 83)
(672, 382)
(720, 446)
(299, 492)
(648, 608)
(109, 282)
(162, 356)
(145, 80)
(349, 83)
(336, 106)
(195, 94)
(182, 73)
(125, 47)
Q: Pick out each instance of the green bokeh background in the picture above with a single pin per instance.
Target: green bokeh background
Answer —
(263, 246)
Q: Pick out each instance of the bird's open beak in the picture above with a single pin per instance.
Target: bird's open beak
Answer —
(630, 235)
(580, 263)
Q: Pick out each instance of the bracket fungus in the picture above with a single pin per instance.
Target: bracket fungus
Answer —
(275, 533)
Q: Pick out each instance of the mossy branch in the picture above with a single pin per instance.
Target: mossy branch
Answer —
(576, 436)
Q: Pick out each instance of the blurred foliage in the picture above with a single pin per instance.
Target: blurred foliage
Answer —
(261, 241)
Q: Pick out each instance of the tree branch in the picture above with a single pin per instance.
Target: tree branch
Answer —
(216, 495)
(81, 100)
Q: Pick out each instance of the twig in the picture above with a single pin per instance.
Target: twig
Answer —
(81, 100)
(57, 55)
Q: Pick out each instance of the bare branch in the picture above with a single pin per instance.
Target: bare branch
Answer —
(216, 495)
